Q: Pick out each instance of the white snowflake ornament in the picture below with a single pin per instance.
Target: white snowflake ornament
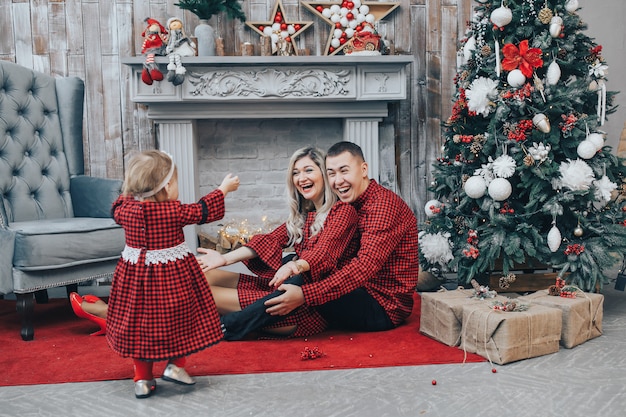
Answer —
(504, 166)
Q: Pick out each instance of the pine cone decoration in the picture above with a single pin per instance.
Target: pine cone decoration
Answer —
(554, 290)
(529, 160)
(476, 147)
(545, 15)
(485, 50)
(562, 54)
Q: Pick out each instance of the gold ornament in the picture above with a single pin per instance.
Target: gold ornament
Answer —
(578, 231)
(545, 15)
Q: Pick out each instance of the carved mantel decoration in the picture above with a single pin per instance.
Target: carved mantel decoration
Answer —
(356, 89)
(270, 82)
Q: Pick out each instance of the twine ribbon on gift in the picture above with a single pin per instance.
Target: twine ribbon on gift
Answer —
(592, 315)
(485, 339)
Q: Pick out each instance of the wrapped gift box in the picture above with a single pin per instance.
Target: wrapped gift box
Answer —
(582, 316)
(442, 313)
(508, 336)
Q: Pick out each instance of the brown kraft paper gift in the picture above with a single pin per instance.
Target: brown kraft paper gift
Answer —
(442, 312)
(582, 316)
(504, 337)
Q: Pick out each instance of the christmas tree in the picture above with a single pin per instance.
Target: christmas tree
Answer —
(524, 172)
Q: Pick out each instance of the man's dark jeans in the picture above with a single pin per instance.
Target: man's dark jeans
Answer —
(254, 317)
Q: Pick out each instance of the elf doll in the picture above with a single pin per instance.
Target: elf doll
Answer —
(155, 39)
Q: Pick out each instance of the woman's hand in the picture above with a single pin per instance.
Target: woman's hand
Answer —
(284, 272)
(210, 260)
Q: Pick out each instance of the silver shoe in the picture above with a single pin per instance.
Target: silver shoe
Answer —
(173, 373)
(144, 388)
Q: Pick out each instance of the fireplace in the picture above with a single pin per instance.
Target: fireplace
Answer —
(257, 96)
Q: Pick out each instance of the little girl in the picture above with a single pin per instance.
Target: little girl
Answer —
(160, 305)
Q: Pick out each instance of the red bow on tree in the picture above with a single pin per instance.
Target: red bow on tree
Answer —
(526, 59)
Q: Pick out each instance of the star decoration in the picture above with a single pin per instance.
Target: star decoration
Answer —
(279, 29)
(347, 17)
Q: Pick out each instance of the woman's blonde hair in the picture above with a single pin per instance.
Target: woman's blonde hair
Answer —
(299, 207)
(147, 174)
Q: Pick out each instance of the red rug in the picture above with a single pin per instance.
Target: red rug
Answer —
(63, 351)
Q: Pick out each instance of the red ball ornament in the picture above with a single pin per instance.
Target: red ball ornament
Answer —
(434, 382)
(283, 26)
(350, 5)
(288, 39)
(331, 49)
(338, 25)
(278, 19)
(261, 28)
(342, 40)
(494, 370)
(297, 27)
(319, 8)
(349, 16)
(359, 28)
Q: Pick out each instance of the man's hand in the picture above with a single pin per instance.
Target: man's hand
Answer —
(292, 298)
(211, 260)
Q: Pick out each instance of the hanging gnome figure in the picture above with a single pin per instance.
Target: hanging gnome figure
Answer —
(154, 41)
(178, 45)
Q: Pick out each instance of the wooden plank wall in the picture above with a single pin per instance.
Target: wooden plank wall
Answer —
(88, 38)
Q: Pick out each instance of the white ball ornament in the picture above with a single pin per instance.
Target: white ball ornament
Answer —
(586, 149)
(501, 16)
(353, 23)
(291, 29)
(267, 30)
(516, 78)
(276, 27)
(554, 239)
(274, 37)
(500, 189)
(349, 32)
(337, 33)
(364, 9)
(428, 208)
(344, 22)
(357, 4)
(571, 6)
(335, 8)
(475, 186)
(597, 139)
(335, 18)
(326, 13)
(370, 18)
(360, 18)
(335, 43)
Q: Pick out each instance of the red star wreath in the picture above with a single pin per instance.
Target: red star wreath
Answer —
(279, 28)
(527, 59)
(347, 17)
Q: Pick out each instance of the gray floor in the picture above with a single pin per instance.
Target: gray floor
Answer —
(589, 380)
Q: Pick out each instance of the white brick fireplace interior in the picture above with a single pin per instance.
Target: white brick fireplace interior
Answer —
(247, 115)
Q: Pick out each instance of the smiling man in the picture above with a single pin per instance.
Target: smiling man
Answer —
(374, 291)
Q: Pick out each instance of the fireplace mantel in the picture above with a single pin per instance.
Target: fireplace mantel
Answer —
(356, 89)
(289, 87)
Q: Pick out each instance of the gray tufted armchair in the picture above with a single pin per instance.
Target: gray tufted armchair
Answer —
(55, 222)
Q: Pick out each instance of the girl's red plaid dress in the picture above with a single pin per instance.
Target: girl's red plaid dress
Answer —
(160, 305)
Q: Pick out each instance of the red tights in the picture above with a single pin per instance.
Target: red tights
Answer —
(143, 369)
